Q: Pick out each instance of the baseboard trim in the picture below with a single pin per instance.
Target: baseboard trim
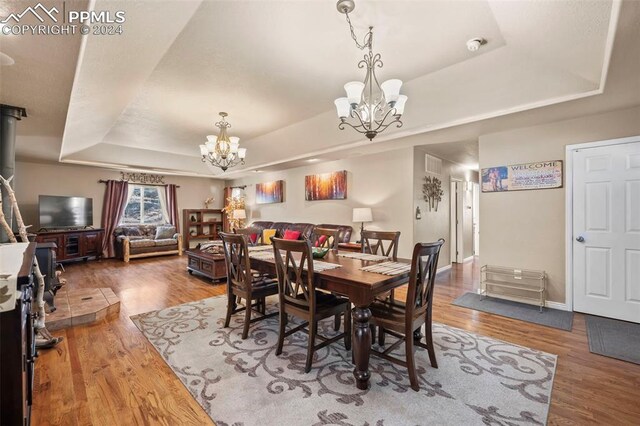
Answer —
(548, 304)
(444, 268)
(557, 305)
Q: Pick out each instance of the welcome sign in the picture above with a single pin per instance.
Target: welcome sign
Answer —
(520, 177)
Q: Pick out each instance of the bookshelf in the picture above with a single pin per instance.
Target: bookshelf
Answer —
(201, 225)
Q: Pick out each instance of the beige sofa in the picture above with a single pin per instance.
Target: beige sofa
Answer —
(138, 241)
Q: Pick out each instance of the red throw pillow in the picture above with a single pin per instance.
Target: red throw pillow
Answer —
(253, 238)
(321, 240)
(291, 235)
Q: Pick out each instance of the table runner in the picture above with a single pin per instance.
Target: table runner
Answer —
(262, 255)
(388, 268)
(318, 266)
(363, 256)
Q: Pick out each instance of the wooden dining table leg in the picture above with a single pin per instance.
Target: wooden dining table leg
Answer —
(361, 345)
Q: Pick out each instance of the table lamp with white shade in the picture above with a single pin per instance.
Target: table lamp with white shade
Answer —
(362, 215)
(239, 215)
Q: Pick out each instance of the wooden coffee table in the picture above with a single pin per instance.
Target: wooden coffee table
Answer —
(209, 265)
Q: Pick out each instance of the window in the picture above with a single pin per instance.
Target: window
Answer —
(145, 205)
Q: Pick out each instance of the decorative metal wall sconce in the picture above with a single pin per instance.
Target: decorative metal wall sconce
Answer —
(418, 213)
(432, 192)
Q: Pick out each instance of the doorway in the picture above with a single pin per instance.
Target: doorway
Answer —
(456, 220)
(476, 219)
(603, 228)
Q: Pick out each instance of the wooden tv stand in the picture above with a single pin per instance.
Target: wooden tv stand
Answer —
(74, 244)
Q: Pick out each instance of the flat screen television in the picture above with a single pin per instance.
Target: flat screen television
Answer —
(65, 212)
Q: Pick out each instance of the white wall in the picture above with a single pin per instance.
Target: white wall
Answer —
(526, 229)
(380, 181)
(467, 222)
(34, 179)
(436, 224)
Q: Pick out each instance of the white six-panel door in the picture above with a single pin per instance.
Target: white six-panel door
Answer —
(606, 231)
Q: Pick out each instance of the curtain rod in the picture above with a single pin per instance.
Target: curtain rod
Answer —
(136, 183)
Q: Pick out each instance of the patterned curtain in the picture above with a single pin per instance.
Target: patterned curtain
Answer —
(172, 206)
(225, 221)
(115, 201)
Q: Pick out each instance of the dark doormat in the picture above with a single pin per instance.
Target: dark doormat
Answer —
(554, 318)
(614, 338)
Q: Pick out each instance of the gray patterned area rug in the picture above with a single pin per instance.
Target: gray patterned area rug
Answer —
(480, 380)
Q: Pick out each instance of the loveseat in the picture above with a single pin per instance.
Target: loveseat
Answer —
(146, 240)
(306, 229)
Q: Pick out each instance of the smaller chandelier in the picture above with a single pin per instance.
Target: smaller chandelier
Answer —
(371, 106)
(223, 151)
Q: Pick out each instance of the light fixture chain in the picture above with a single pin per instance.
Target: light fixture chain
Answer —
(368, 39)
(372, 106)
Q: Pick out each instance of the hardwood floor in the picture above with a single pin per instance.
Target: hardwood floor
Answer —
(109, 374)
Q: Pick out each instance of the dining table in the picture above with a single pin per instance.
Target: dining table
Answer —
(361, 287)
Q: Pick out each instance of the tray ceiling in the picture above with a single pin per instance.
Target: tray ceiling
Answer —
(148, 98)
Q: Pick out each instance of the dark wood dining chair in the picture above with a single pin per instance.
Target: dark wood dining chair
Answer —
(249, 232)
(299, 297)
(243, 283)
(383, 243)
(325, 238)
(402, 319)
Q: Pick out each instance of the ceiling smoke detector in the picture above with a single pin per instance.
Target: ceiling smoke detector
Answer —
(474, 44)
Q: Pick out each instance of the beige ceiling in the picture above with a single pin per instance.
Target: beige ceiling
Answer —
(40, 80)
(146, 99)
(270, 64)
(464, 153)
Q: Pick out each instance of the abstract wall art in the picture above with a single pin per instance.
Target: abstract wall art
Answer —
(326, 186)
(270, 192)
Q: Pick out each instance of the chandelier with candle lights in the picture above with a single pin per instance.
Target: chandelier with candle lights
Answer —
(223, 151)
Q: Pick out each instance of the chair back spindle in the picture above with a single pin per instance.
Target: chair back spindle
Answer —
(294, 266)
(249, 232)
(237, 260)
(382, 243)
(424, 265)
(325, 238)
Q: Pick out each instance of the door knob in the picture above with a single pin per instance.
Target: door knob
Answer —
(580, 239)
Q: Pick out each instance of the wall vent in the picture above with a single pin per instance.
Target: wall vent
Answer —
(432, 164)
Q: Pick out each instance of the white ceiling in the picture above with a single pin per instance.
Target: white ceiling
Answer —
(147, 98)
